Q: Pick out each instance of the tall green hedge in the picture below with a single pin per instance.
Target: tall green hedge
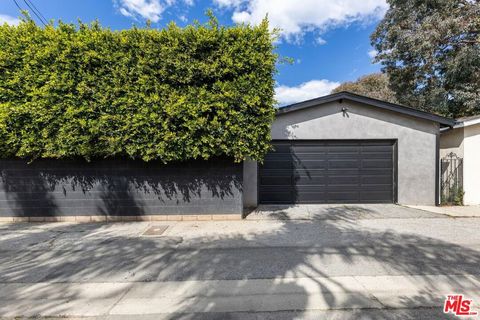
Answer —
(170, 94)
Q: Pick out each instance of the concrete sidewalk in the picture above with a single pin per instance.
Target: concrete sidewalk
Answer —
(217, 296)
(453, 211)
(337, 212)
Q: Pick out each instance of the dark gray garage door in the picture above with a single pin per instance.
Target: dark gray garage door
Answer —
(328, 172)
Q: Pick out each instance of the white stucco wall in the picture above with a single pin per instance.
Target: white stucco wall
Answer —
(452, 141)
(471, 165)
(465, 143)
(417, 140)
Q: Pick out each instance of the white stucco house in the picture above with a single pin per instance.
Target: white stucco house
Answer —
(463, 141)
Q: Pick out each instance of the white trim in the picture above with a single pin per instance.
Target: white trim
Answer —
(467, 123)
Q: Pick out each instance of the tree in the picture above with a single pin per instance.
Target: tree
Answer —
(373, 85)
(430, 50)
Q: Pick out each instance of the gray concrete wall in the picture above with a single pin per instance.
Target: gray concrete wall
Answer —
(119, 188)
(417, 140)
(250, 194)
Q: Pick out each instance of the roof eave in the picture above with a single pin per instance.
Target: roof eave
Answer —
(370, 101)
(468, 123)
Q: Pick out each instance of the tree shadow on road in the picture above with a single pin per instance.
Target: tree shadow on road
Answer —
(89, 253)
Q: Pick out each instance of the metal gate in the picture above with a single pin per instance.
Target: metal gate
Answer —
(452, 179)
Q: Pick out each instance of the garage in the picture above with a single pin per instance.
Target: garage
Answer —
(329, 171)
(346, 148)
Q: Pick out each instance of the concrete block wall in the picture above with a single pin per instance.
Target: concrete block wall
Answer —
(119, 188)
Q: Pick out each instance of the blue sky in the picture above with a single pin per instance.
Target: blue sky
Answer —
(328, 40)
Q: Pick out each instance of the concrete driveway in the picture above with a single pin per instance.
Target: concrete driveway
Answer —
(329, 262)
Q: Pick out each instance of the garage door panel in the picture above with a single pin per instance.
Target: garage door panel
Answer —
(309, 164)
(376, 155)
(310, 189)
(376, 188)
(311, 181)
(281, 148)
(276, 197)
(338, 153)
(377, 163)
(342, 156)
(343, 164)
(344, 146)
(374, 147)
(328, 172)
(277, 193)
(278, 157)
(343, 196)
(343, 172)
(375, 180)
(312, 197)
(360, 171)
(343, 180)
(276, 165)
(376, 172)
(310, 156)
(354, 188)
(309, 148)
(276, 180)
(310, 173)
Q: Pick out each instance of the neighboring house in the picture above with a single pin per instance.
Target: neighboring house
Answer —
(341, 148)
(463, 140)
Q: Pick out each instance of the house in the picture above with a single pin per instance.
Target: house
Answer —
(346, 148)
(460, 150)
(341, 148)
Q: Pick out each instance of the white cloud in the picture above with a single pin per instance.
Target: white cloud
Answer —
(241, 17)
(372, 53)
(295, 17)
(8, 19)
(229, 3)
(125, 12)
(305, 91)
(320, 41)
(147, 9)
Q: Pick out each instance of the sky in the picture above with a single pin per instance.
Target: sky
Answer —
(327, 40)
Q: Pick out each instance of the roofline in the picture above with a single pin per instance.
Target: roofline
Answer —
(468, 123)
(366, 100)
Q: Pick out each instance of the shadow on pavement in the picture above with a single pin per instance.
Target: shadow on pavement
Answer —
(88, 253)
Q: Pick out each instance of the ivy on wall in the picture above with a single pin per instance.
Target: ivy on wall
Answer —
(172, 94)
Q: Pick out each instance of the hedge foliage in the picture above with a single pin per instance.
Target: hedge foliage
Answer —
(171, 94)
